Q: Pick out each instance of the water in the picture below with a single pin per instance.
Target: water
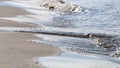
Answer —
(96, 17)
(93, 30)
(71, 60)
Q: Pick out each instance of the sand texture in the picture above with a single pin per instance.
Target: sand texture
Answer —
(9, 23)
(6, 11)
(16, 52)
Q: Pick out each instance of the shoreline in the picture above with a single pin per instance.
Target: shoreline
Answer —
(15, 51)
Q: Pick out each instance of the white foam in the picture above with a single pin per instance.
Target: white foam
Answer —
(17, 29)
(36, 19)
(70, 60)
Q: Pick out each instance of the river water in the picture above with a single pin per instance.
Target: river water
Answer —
(72, 32)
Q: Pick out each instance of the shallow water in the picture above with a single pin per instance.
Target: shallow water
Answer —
(72, 60)
(96, 16)
(67, 31)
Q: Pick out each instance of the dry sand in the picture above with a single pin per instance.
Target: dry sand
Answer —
(15, 51)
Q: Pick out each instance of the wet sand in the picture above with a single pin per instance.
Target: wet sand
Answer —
(6, 11)
(15, 51)
(9, 23)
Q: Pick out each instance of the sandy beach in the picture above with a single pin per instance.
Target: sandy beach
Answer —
(15, 51)
(10, 12)
(32, 36)
(6, 11)
(8, 23)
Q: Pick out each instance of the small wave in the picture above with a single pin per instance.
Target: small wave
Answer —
(70, 60)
